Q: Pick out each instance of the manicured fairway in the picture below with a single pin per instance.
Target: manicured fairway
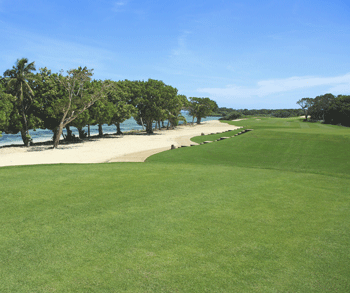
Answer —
(282, 144)
(254, 213)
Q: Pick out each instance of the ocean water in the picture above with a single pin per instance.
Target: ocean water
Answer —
(41, 135)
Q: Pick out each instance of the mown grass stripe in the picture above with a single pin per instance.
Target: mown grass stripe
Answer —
(304, 125)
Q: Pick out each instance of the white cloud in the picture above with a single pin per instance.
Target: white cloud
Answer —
(119, 5)
(337, 85)
(181, 48)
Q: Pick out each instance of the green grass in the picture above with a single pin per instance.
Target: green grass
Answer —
(273, 144)
(218, 217)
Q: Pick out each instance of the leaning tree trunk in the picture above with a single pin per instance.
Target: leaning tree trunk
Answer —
(143, 126)
(57, 136)
(118, 128)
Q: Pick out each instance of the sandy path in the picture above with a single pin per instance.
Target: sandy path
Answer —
(127, 148)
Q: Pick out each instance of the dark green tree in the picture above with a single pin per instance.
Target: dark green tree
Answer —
(201, 107)
(339, 111)
(102, 111)
(50, 97)
(172, 103)
(149, 104)
(305, 104)
(81, 121)
(232, 116)
(79, 97)
(320, 107)
(6, 106)
(175, 105)
(121, 95)
(17, 80)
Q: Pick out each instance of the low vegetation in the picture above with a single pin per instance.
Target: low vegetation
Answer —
(265, 211)
(231, 114)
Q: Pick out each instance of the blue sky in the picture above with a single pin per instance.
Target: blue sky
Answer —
(242, 54)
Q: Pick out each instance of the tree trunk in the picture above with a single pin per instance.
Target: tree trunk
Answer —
(143, 126)
(89, 130)
(82, 133)
(25, 138)
(118, 128)
(24, 131)
(149, 129)
(100, 131)
(69, 136)
(57, 136)
(199, 120)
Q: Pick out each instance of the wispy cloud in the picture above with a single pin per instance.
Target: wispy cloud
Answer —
(337, 85)
(181, 48)
(120, 5)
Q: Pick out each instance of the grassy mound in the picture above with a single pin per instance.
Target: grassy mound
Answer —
(260, 212)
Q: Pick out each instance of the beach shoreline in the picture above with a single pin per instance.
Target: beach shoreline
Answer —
(110, 148)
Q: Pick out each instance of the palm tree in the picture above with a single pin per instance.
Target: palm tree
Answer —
(17, 84)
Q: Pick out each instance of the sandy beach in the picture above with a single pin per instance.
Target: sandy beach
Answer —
(113, 148)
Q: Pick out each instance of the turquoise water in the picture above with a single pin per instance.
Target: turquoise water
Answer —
(45, 134)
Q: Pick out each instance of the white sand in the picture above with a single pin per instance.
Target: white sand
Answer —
(239, 119)
(127, 148)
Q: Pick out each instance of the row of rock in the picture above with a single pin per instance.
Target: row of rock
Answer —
(221, 138)
(225, 137)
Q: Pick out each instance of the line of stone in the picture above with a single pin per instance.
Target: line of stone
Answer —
(221, 138)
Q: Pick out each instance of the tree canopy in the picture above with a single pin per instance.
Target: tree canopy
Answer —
(6, 106)
(201, 107)
(328, 108)
(305, 103)
(72, 99)
(18, 79)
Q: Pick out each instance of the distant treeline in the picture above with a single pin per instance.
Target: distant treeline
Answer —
(60, 100)
(327, 108)
(231, 114)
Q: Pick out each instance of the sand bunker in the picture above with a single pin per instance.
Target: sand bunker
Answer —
(126, 148)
